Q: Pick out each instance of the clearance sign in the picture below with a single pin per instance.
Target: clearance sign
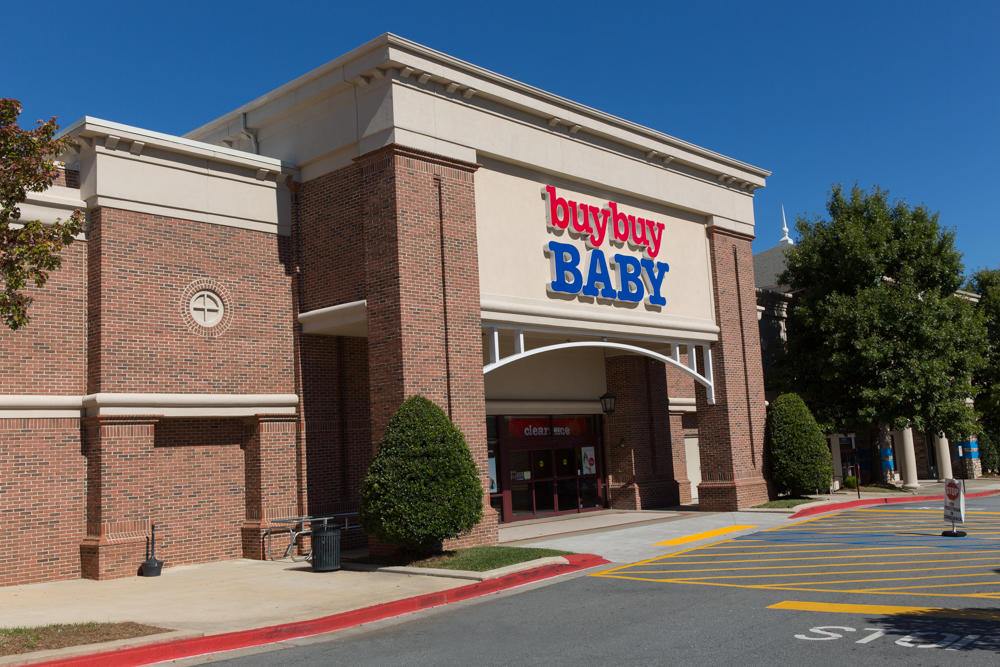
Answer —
(605, 275)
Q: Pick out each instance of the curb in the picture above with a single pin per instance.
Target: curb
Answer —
(820, 509)
(188, 648)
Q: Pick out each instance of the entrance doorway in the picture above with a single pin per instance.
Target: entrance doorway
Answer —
(542, 466)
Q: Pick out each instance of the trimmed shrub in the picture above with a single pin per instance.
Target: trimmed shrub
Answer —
(799, 454)
(851, 482)
(989, 452)
(423, 486)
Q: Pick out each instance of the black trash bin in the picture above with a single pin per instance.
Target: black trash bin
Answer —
(325, 547)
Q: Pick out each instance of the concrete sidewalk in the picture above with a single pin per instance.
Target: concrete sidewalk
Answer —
(239, 596)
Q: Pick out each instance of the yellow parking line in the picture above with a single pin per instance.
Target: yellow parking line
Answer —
(787, 575)
(793, 567)
(855, 581)
(820, 551)
(887, 610)
(903, 588)
(701, 536)
(832, 556)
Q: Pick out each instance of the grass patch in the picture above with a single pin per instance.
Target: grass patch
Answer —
(476, 559)
(14, 641)
(882, 488)
(784, 503)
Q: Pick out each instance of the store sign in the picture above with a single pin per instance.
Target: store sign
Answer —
(531, 427)
(604, 274)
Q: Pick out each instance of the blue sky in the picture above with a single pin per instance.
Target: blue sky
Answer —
(900, 94)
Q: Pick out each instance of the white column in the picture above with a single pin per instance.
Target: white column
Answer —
(943, 452)
(838, 470)
(908, 459)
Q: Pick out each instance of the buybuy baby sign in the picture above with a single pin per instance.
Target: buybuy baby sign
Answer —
(614, 276)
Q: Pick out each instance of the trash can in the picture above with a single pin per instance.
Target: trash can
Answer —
(325, 547)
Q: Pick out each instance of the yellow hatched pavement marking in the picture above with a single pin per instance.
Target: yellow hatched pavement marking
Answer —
(831, 556)
(773, 587)
(701, 536)
(887, 610)
(803, 574)
(793, 567)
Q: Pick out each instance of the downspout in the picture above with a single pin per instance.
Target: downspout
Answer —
(249, 133)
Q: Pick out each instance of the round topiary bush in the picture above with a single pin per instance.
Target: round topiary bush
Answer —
(423, 486)
(800, 457)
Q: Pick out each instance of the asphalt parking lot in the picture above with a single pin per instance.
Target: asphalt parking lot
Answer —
(890, 551)
(876, 584)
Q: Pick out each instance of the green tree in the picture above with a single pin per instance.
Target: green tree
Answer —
(876, 334)
(799, 455)
(986, 283)
(29, 250)
(423, 486)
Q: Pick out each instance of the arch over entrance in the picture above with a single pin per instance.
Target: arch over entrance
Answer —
(691, 368)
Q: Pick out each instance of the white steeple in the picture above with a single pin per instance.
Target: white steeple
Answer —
(786, 239)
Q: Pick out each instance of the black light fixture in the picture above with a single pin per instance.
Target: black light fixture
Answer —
(608, 403)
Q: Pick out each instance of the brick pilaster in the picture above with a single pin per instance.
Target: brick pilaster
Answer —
(271, 470)
(422, 291)
(731, 432)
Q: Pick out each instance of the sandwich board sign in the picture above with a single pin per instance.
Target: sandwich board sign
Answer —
(954, 506)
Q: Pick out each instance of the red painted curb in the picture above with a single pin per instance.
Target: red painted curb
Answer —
(820, 509)
(186, 648)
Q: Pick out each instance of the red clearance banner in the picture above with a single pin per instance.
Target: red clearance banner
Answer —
(533, 427)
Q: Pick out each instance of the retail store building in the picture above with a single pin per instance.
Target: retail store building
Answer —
(250, 303)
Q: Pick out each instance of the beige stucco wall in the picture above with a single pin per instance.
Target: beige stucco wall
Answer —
(140, 170)
(563, 375)
(513, 267)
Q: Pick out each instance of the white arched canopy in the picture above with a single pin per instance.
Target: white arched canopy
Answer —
(691, 368)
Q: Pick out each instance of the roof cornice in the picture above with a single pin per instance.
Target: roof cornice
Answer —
(359, 68)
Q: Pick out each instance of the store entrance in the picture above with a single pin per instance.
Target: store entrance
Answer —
(541, 466)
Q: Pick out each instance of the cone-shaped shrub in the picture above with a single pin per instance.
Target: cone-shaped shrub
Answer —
(800, 456)
(423, 486)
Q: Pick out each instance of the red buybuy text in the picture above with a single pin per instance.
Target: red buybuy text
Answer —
(597, 224)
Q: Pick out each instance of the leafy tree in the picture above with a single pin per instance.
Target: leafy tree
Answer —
(29, 250)
(876, 334)
(986, 283)
(423, 486)
(799, 454)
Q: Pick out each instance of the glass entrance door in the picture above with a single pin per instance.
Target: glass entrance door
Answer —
(547, 465)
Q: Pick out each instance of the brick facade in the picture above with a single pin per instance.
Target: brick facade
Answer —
(115, 320)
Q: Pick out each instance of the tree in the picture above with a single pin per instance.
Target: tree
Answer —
(986, 283)
(799, 455)
(29, 250)
(423, 486)
(876, 334)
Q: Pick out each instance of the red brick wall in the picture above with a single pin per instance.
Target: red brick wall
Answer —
(329, 242)
(49, 355)
(335, 422)
(42, 508)
(140, 339)
(731, 432)
(197, 488)
(69, 178)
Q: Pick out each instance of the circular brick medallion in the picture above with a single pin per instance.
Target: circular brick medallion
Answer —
(207, 308)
